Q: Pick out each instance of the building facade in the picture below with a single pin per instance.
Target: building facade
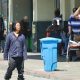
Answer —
(40, 13)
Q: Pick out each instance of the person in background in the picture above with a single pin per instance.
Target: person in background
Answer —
(5, 25)
(54, 30)
(74, 27)
(58, 18)
(2, 35)
(25, 26)
(10, 27)
(70, 32)
(15, 51)
(26, 30)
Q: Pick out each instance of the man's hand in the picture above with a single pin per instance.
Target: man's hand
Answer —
(77, 13)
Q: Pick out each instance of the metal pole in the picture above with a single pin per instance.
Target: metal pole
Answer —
(10, 11)
(10, 5)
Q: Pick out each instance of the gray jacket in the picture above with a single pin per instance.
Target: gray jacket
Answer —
(15, 46)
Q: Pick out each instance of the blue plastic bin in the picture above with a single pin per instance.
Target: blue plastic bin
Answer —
(49, 52)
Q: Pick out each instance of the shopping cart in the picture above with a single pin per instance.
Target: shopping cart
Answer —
(72, 46)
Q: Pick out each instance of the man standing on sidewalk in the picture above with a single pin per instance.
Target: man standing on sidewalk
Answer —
(74, 26)
(15, 49)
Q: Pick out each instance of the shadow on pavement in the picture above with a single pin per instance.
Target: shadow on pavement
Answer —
(37, 57)
(60, 70)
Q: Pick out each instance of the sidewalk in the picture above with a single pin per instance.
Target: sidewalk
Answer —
(34, 69)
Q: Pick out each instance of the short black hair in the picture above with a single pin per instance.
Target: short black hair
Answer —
(74, 9)
(57, 12)
(14, 25)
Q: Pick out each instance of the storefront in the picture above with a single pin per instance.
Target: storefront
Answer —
(40, 13)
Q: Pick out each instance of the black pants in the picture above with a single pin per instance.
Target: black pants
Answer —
(15, 63)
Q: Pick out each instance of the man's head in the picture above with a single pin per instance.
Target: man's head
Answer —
(74, 9)
(17, 26)
(25, 18)
(57, 12)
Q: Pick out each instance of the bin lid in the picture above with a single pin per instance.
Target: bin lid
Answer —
(50, 39)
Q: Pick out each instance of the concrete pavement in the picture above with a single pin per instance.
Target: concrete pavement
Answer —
(34, 69)
(28, 68)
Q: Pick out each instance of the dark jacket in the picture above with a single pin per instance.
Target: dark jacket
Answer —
(54, 31)
(15, 46)
(26, 30)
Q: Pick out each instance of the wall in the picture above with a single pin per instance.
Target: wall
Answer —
(77, 3)
(43, 10)
(65, 9)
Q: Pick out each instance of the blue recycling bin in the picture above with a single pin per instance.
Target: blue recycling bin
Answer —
(49, 52)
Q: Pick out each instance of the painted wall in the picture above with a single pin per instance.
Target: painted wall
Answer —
(72, 5)
(43, 10)
(77, 3)
(65, 9)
